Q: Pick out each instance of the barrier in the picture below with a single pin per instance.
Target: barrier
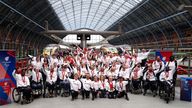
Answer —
(186, 89)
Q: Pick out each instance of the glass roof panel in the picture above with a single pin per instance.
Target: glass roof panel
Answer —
(92, 14)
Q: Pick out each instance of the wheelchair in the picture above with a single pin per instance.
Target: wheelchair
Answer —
(18, 96)
(37, 89)
(167, 91)
(57, 88)
(150, 85)
(135, 87)
(65, 87)
(50, 90)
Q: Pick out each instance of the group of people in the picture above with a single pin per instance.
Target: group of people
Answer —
(97, 73)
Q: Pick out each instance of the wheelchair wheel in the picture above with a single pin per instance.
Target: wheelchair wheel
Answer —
(167, 97)
(16, 95)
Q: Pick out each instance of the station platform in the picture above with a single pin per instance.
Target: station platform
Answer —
(136, 101)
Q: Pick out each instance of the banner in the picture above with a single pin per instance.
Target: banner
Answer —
(164, 55)
(7, 81)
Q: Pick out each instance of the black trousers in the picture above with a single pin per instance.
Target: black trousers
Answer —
(167, 87)
(85, 93)
(26, 92)
(51, 87)
(74, 94)
(44, 83)
(112, 95)
(122, 94)
(136, 84)
(94, 94)
(65, 85)
(150, 85)
(36, 85)
(102, 94)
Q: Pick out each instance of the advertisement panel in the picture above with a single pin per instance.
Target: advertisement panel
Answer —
(7, 81)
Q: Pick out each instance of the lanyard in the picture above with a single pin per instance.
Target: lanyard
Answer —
(51, 75)
(103, 84)
(23, 79)
(79, 73)
(63, 74)
(121, 85)
(111, 85)
(37, 75)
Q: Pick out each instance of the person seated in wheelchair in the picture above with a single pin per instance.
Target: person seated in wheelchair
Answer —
(121, 88)
(150, 81)
(51, 81)
(135, 77)
(95, 87)
(36, 83)
(86, 86)
(166, 79)
(64, 81)
(110, 88)
(23, 85)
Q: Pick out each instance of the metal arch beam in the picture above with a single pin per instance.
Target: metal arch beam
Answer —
(109, 6)
(22, 17)
(21, 14)
(88, 13)
(66, 14)
(20, 3)
(73, 13)
(136, 26)
(126, 37)
(167, 20)
(6, 29)
(178, 35)
(41, 20)
(163, 19)
(34, 6)
(116, 11)
(127, 14)
(39, 43)
(9, 31)
(1, 21)
(95, 12)
(183, 16)
(34, 18)
(157, 23)
(31, 41)
(138, 37)
(36, 41)
(81, 12)
(142, 22)
(83, 17)
(154, 36)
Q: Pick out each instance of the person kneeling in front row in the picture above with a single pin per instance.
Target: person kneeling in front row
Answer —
(121, 88)
(75, 86)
